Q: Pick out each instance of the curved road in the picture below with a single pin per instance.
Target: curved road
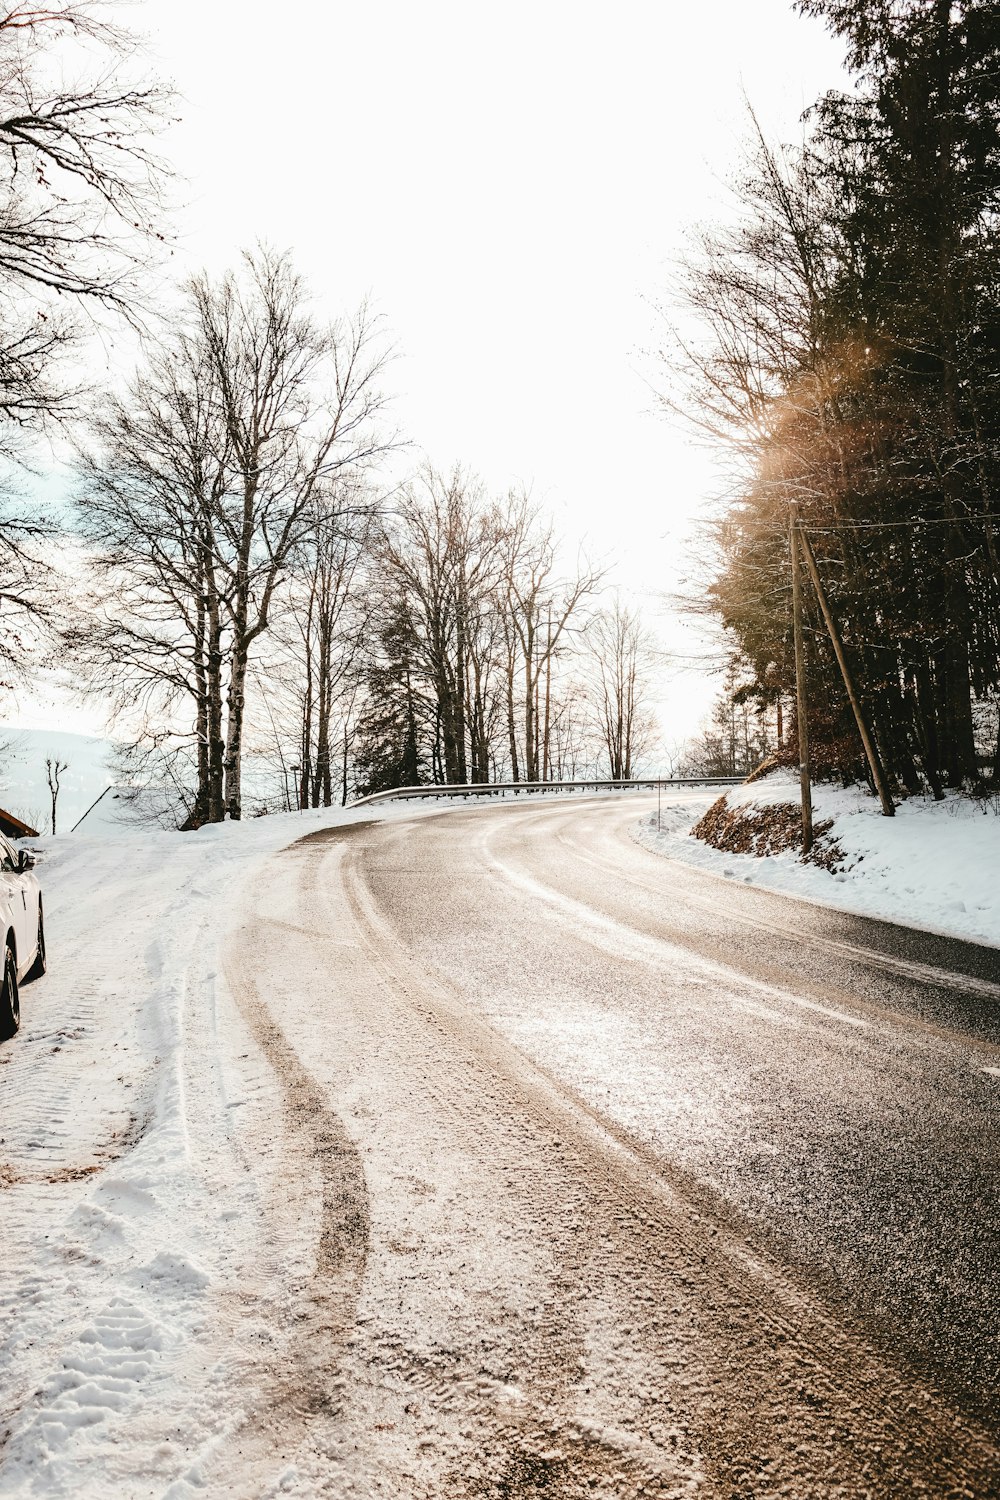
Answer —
(634, 1182)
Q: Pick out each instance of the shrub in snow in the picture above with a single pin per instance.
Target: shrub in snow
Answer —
(752, 829)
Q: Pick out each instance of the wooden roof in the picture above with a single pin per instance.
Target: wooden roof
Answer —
(14, 828)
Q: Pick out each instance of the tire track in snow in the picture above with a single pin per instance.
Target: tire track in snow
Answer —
(47, 1090)
(299, 1380)
(327, 1393)
(344, 1229)
(537, 1432)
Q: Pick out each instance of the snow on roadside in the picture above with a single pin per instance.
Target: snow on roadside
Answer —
(935, 865)
(139, 1272)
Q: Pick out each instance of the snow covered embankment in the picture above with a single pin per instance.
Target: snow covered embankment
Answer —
(935, 865)
(142, 1275)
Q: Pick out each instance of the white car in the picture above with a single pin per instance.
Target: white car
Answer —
(24, 929)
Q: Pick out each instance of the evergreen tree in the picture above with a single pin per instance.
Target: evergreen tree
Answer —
(852, 366)
(392, 747)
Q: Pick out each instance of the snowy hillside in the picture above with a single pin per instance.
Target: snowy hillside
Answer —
(23, 786)
(91, 771)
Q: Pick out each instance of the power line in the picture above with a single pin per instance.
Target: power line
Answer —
(917, 521)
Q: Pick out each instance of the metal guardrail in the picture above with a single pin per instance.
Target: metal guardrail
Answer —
(499, 788)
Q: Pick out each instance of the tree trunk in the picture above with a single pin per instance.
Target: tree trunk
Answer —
(546, 764)
(511, 724)
(216, 740)
(530, 757)
(200, 812)
(343, 770)
(308, 694)
(234, 733)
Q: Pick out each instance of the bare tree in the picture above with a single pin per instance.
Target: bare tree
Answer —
(571, 737)
(621, 655)
(327, 613)
(477, 625)
(287, 438)
(540, 607)
(27, 589)
(80, 212)
(53, 770)
(737, 738)
(441, 549)
(210, 478)
(81, 192)
(154, 639)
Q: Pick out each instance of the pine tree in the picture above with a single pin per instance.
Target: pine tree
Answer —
(853, 368)
(392, 746)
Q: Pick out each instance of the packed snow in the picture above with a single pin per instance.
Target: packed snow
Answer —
(125, 1196)
(934, 865)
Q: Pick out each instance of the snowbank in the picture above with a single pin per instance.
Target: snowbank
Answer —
(935, 865)
(129, 1214)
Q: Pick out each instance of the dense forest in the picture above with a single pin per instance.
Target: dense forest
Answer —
(848, 363)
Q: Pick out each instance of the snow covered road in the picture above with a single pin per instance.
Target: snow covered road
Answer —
(481, 1153)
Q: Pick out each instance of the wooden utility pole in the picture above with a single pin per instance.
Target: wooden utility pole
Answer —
(871, 752)
(801, 706)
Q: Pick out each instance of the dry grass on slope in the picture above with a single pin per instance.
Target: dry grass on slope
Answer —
(750, 829)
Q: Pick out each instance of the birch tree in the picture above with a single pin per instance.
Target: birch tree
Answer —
(209, 478)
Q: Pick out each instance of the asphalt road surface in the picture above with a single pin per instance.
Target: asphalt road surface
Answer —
(634, 1181)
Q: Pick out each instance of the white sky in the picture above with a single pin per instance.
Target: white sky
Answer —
(509, 185)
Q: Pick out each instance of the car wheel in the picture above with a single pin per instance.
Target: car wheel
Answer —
(40, 965)
(10, 1005)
